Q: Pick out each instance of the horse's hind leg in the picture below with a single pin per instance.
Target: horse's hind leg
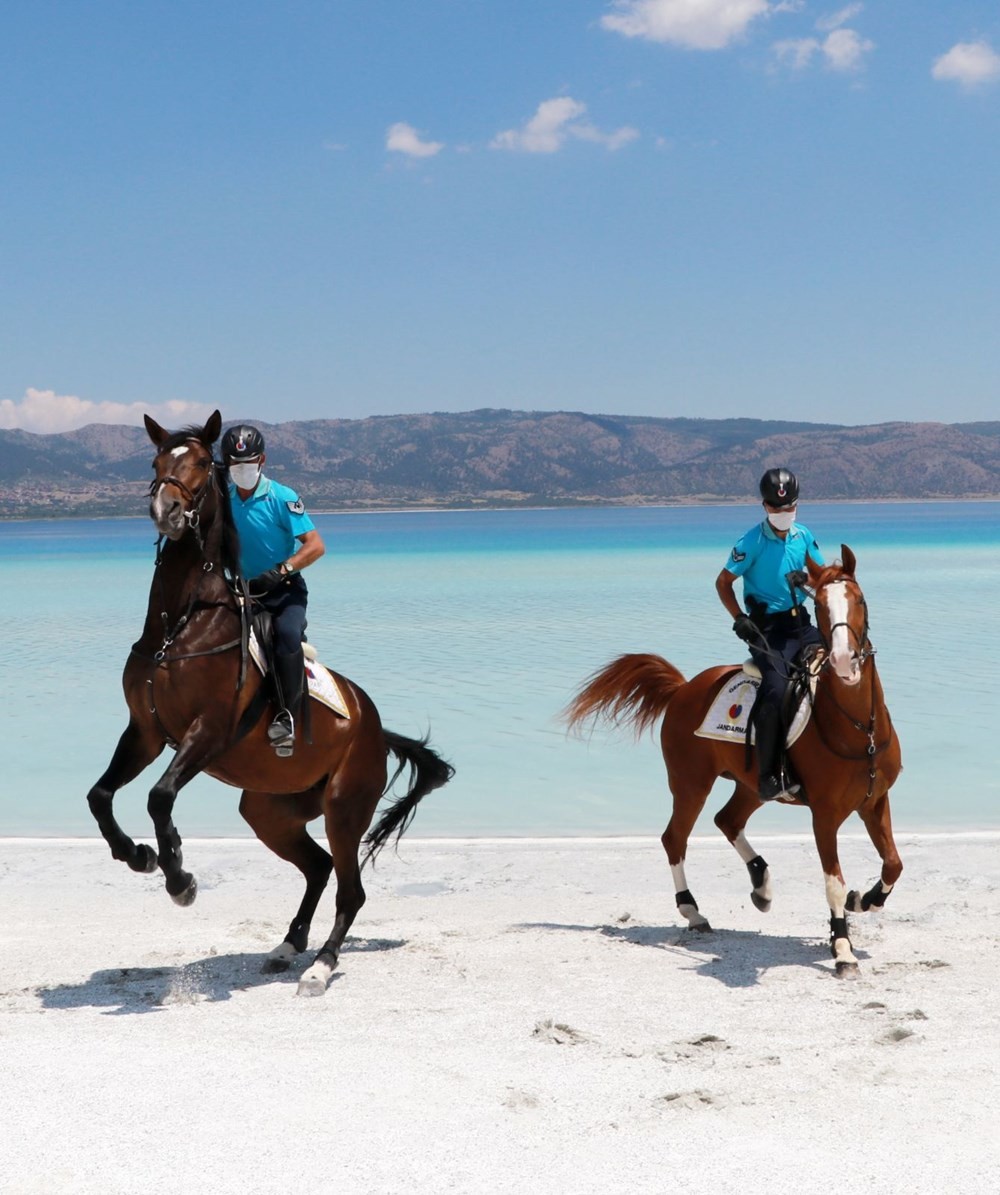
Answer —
(279, 821)
(135, 752)
(346, 821)
(878, 823)
(731, 820)
(687, 805)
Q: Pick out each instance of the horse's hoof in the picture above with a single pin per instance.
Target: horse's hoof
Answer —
(853, 903)
(701, 927)
(186, 896)
(144, 859)
(845, 970)
(280, 959)
(760, 902)
(314, 980)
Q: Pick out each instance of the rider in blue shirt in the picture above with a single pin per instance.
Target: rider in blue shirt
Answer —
(277, 541)
(775, 625)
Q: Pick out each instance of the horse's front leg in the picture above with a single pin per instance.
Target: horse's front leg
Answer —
(136, 750)
(878, 823)
(198, 748)
(825, 832)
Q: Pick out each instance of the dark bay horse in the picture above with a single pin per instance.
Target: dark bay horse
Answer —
(188, 685)
(847, 758)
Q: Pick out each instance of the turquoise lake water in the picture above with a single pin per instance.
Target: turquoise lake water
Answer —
(480, 626)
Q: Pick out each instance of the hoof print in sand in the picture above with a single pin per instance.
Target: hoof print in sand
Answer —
(560, 1035)
(691, 1099)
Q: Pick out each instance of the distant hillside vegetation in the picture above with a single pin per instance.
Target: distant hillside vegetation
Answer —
(514, 458)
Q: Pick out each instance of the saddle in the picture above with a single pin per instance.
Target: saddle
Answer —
(729, 717)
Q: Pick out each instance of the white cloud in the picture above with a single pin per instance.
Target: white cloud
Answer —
(404, 139)
(553, 122)
(692, 24)
(842, 49)
(968, 63)
(845, 50)
(45, 411)
(612, 141)
(546, 131)
(841, 17)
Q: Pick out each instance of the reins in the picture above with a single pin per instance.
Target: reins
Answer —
(865, 653)
(237, 587)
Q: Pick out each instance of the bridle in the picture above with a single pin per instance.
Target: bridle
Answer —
(195, 499)
(865, 653)
(192, 516)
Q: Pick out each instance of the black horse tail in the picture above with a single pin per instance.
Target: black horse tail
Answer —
(428, 771)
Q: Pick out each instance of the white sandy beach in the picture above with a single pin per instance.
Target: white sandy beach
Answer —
(517, 1015)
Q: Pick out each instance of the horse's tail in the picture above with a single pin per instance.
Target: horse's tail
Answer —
(633, 690)
(428, 771)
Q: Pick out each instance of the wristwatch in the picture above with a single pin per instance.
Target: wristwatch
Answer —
(285, 569)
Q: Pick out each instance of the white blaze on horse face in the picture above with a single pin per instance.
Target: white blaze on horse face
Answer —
(179, 451)
(843, 657)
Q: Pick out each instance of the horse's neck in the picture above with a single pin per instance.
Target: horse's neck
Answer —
(187, 571)
(858, 702)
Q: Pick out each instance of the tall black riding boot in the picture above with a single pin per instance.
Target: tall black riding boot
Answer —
(290, 680)
(771, 784)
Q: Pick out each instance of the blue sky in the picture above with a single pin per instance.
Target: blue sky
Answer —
(337, 209)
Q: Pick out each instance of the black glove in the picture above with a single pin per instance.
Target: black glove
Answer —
(265, 582)
(746, 629)
(797, 579)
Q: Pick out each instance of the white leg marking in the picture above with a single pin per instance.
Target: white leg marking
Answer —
(746, 853)
(836, 895)
(315, 979)
(694, 918)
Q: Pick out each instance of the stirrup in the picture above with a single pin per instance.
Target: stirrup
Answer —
(281, 734)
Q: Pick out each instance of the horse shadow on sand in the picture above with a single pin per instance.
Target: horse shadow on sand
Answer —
(735, 958)
(124, 991)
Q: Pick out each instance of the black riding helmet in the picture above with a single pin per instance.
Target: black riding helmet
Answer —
(242, 443)
(778, 487)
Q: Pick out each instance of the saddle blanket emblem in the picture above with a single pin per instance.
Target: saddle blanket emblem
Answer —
(322, 687)
(726, 720)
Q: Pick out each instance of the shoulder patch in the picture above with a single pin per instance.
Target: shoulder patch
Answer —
(738, 556)
(297, 507)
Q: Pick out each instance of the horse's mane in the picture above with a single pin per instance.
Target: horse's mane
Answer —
(230, 536)
(193, 432)
(832, 572)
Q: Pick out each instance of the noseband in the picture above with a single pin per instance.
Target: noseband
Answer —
(865, 649)
(195, 500)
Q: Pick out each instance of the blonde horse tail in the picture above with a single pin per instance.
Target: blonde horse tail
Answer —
(632, 691)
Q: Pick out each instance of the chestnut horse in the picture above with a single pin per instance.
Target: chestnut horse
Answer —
(847, 758)
(188, 685)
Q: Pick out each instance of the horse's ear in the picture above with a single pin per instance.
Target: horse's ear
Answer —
(156, 433)
(813, 569)
(850, 564)
(213, 427)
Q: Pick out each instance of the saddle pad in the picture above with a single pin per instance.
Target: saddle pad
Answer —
(726, 719)
(322, 687)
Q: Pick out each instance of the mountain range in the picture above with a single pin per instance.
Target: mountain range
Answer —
(512, 458)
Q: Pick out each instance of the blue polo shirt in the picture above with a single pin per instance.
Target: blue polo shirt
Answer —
(269, 522)
(763, 558)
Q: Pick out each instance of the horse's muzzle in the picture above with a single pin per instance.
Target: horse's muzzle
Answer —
(167, 515)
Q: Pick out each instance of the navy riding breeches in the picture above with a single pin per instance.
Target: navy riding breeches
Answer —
(787, 635)
(287, 606)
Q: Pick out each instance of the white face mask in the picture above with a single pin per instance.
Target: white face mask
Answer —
(783, 520)
(245, 476)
